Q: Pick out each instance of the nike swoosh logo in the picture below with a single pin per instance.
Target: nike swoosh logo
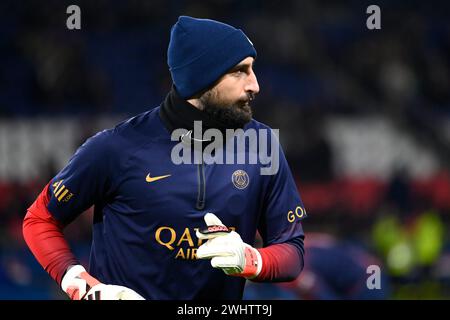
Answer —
(152, 179)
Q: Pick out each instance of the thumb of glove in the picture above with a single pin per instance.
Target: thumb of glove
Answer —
(212, 220)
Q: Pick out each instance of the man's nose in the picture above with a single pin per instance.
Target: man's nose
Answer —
(252, 83)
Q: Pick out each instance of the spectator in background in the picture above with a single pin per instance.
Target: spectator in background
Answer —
(336, 270)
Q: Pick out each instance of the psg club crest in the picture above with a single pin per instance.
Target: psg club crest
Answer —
(240, 179)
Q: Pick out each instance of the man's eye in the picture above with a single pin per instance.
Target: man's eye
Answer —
(239, 72)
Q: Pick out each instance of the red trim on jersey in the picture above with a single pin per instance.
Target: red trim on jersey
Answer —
(45, 238)
(280, 262)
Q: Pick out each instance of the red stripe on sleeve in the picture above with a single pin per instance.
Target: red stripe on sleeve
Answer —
(45, 238)
(280, 262)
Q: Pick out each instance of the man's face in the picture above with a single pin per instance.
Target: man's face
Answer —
(229, 100)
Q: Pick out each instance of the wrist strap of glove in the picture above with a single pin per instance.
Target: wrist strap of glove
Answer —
(77, 282)
(253, 263)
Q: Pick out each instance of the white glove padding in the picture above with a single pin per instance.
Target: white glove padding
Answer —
(227, 251)
(112, 292)
(80, 285)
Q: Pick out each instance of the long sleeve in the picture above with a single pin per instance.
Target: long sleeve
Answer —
(45, 238)
(281, 262)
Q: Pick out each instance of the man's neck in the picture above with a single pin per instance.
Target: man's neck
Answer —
(179, 113)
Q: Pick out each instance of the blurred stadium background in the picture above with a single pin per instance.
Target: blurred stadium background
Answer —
(364, 118)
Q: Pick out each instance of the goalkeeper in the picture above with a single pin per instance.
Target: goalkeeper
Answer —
(150, 240)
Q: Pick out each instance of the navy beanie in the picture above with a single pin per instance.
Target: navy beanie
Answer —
(201, 51)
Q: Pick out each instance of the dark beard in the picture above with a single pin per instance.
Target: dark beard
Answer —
(232, 116)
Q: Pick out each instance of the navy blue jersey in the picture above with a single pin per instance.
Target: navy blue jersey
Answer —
(146, 209)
